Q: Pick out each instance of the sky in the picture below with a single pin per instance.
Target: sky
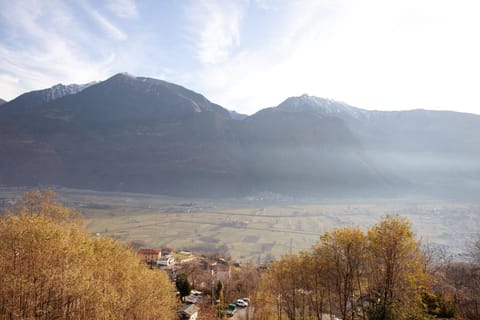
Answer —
(250, 54)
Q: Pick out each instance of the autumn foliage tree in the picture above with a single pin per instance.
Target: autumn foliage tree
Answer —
(395, 270)
(51, 268)
(461, 279)
(344, 253)
(352, 274)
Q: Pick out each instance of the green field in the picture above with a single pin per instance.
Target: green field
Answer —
(253, 229)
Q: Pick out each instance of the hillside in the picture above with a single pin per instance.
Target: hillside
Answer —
(417, 151)
(299, 152)
(30, 100)
(146, 135)
(125, 134)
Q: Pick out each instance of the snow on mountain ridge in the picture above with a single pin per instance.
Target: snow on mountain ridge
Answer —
(60, 90)
(322, 106)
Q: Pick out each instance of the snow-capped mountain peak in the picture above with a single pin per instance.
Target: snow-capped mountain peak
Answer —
(322, 106)
(33, 99)
(60, 90)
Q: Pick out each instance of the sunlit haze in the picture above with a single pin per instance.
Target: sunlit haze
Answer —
(248, 55)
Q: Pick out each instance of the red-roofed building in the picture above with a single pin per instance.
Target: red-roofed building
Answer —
(149, 256)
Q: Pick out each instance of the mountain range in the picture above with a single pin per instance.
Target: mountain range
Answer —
(146, 135)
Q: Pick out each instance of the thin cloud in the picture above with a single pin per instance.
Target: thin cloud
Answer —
(39, 53)
(291, 62)
(123, 8)
(374, 55)
(111, 30)
(9, 86)
(215, 27)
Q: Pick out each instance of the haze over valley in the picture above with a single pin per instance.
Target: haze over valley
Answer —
(288, 172)
(144, 135)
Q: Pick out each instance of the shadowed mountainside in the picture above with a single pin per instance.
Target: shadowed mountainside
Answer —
(146, 135)
(417, 151)
(124, 134)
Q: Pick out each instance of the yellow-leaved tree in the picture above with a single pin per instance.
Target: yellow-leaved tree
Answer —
(344, 252)
(51, 268)
(349, 273)
(395, 270)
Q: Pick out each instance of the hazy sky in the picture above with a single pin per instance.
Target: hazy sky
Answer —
(247, 55)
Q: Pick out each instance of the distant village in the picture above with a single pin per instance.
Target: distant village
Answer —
(203, 273)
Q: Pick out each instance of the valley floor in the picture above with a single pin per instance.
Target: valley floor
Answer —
(255, 229)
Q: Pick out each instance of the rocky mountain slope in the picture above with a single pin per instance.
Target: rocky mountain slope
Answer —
(124, 134)
(30, 100)
(420, 150)
(145, 135)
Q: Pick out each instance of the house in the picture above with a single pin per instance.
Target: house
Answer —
(166, 261)
(149, 256)
(184, 257)
(188, 312)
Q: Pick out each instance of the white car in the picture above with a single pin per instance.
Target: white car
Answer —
(196, 292)
(241, 303)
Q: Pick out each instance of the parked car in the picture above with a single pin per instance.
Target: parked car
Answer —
(241, 303)
(231, 309)
(247, 300)
(196, 292)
